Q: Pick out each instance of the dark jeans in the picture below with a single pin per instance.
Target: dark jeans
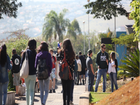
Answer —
(90, 81)
(78, 73)
(66, 85)
(113, 81)
(71, 93)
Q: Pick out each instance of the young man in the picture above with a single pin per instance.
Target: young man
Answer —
(15, 69)
(53, 73)
(90, 71)
(102, 62)
(83, 61)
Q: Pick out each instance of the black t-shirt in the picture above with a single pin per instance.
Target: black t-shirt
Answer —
(16, 63)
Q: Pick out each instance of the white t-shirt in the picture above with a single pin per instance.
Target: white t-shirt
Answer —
(111, 68)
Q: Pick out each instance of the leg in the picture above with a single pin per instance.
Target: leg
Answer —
(115, 80)
(32, 88)
(69, 83)
(111, 79)
(4, 89)
(46, 88)
(104, 79)
(98, 80)
(77, 78)
(27, 89)
(91, 82)
(54, 85)
(83, 79)
(41, 90)
(71, 93)
(64, 86)
(0, 93)
(80, 79)
(50, 84)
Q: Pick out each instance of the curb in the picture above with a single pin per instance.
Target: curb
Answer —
(84, 98)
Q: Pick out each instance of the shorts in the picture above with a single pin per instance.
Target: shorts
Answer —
(16, 79)
(52, 74)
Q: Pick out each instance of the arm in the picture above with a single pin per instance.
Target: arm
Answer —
(8, 64)
(92, 68)
(36, 61)
(22, 59)
(98, 60)
(49, 62)
(113, 64)
(116, 63)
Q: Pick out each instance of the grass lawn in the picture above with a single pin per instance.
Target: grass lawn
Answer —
(95, 97)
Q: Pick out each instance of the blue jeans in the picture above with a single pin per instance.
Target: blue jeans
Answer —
(101, 72)
(90, 81)
(3, 93)
(44, 86)
(113, 81)
(30, 86)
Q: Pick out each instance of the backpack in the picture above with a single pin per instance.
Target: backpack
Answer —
(42, 71)
(65, 70)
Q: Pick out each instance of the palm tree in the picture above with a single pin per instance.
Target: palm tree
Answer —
(74, 29)
(55, 25)
(131, 64)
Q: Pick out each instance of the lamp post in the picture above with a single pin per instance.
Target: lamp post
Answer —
(84, 35)
(88, 26)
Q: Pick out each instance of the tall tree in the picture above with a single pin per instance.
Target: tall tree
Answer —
(9, 8)
(135, 14)
(105, 8)
(55, 25)
(74, 29)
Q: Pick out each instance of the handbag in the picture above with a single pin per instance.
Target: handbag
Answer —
(65, 73)
(24, 71)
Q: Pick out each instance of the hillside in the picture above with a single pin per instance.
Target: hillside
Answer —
(126, 95)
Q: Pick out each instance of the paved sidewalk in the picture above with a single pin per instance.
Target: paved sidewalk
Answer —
(54, 98)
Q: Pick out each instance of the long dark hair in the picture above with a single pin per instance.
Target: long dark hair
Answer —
(113, 56)
(32, 44)
(67, 47)
(43, 46)
(3, 55)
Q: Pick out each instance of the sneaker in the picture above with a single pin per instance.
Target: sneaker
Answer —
(71, 103)
(50, 91)
(16, 95)
(54, 91)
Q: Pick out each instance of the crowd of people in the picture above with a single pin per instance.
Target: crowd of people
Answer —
(74, 69)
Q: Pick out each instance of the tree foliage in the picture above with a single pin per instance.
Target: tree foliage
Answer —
(135, 14)
(126, 40)
(55, 25)
(105, 8)
(131, 64)
(9, 8)
(74, 29)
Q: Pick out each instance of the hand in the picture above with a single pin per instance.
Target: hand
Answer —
(12, 75)
(107, 61)
(99, 68)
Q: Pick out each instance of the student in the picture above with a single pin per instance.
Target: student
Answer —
(4, 69)
(70, 58)
(30, 80)
(90, 71)
(102, 62)
(53, 73)
(82, 73)
(112, 72)
(44, 84)
(79, 68)
(15, 69)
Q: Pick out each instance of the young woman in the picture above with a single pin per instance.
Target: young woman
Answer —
(112, 71)
(4, 68)
(79, 68)
(70, 58)
(30, 80)
(44, 84)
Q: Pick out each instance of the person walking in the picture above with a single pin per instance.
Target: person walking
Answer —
(15, 69)
(4, 69)
(90, 71)
(112, 72)
(53, 73)
(30, 80)
(69, 54)
(44, 83)
(102, 62)
(82, 73)
(79, 68)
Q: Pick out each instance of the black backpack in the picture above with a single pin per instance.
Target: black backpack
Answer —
(42, 71)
